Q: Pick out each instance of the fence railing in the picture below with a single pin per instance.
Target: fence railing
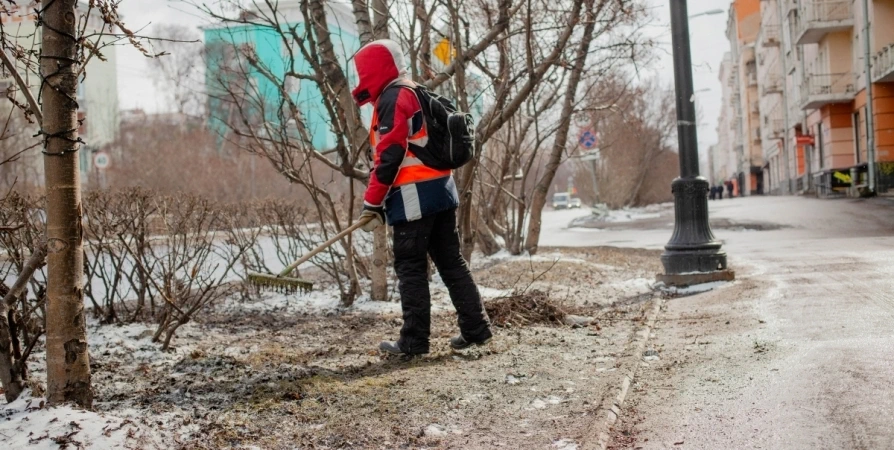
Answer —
(816, 12)
(772, 83)
(770, 35)
(883, 62)
(827, 84)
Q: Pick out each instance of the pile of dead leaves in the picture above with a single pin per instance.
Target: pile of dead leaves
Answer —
(524, 308)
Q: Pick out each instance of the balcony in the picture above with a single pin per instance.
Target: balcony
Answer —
(772, 84)
(823, 89)
(883, 65)
(756, 134)
(818, 18)
(776, 128)
(770, 35)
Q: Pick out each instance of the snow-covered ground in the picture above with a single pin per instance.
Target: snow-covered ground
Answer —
(797, 353)
(28, 423)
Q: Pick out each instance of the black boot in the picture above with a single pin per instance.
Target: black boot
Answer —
(459, 342)
(393, 349)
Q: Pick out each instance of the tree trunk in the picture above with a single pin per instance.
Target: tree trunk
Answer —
(68, 361)
(379, 269)
(361, 20)
(380, 19)
(555, 158)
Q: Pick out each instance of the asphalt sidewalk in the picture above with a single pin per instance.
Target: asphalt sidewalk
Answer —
(798, 353)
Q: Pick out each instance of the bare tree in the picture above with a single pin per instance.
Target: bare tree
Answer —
(178, 69)
(68, 361)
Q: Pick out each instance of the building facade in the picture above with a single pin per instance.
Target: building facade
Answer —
(97, 93)
(819, 132)
(227, 73)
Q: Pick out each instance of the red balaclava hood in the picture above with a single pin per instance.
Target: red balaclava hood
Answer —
(378, 64)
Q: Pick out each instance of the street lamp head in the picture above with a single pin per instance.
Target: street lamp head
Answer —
(710, 12)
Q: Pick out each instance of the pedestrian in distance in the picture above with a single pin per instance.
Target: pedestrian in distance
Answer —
(729, 189)
(719, 188)
(417, 200)
(713, 193)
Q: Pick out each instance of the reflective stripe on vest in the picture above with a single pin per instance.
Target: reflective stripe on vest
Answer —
(411, 170)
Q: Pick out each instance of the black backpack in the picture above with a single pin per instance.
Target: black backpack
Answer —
(451, 133)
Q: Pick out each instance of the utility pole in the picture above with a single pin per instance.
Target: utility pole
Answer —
(785, 107)
(870, 120)
(68, 361)
(692, 255)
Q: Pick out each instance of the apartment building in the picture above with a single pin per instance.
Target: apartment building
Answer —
(722, 158)
(820, 132)
(226, 73)
(738, 157)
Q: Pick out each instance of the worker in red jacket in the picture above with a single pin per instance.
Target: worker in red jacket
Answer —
(418, 201)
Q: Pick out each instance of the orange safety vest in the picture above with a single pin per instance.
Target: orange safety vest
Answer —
(412, 170)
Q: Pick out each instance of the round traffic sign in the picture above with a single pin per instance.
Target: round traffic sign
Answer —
(101, 160)
(588, 139)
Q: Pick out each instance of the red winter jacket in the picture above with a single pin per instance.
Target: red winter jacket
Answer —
(399, 181)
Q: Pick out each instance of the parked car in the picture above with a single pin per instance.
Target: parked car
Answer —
(561, 200)
(574, 203)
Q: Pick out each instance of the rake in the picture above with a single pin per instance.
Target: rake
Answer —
(286, 284)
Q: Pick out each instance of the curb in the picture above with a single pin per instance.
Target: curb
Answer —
(612, 407)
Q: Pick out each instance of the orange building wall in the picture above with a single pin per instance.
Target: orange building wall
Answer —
(838, 135)
(883, 112)
(801, 163)
(882, 12)
(748, 18)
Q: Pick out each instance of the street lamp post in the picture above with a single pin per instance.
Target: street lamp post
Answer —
(692, 255)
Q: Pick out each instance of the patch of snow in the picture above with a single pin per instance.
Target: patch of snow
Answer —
(435, 431)
(29, 423)
(487, 292)
(553, 400)
(696, 288)
(632, 287)
(629, 215)
(565, 444)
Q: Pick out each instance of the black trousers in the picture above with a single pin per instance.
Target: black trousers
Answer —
(437, 236)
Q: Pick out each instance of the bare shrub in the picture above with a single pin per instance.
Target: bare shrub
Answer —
(23, 314)
(193, 261)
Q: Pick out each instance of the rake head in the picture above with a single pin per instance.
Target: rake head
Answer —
(275, 283)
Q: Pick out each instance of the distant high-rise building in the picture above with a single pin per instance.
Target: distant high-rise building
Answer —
(228, 73)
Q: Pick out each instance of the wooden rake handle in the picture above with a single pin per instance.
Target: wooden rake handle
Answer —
(363, 221)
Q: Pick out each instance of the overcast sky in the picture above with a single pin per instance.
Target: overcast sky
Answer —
(136, 89)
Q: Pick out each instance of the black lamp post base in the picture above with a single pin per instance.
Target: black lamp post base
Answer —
(693, 261)
(693, 255)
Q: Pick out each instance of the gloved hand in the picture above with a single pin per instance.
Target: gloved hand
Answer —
(378, 217)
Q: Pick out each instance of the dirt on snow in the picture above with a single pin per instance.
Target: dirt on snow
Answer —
(249, 378)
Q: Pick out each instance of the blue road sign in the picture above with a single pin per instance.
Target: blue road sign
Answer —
(588, 139)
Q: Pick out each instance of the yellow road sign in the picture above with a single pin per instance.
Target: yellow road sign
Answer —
(444, 51)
